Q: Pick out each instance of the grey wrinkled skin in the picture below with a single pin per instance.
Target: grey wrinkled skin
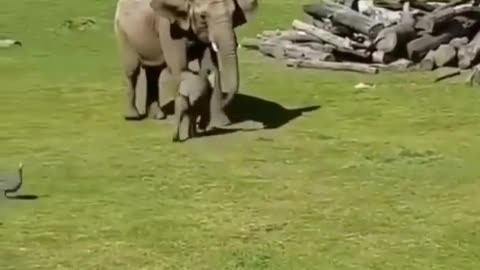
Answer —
(191, 103)
(158, 33)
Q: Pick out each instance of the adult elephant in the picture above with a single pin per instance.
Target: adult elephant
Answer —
(160, 32)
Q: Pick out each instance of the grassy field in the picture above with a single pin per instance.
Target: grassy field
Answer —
(374, 179)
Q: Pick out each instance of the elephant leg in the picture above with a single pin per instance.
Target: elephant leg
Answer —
(131, 71)
(152, 75)
(203, 115)
(181, 109)
(175, 52)
(218, 117)
(192, 125)
(204, 111)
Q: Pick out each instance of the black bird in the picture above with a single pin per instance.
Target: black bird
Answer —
(11, 184)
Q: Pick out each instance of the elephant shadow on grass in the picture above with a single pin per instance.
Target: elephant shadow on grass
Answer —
(271, 114)
(245, 108)
(267, 114)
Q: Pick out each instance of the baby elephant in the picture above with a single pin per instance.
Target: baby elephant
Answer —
(191, 102)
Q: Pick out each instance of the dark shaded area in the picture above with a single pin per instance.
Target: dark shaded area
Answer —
(26, 197)
(249, 108)
(271, 114)
(169, 108)
(152, 74)
(219, 131)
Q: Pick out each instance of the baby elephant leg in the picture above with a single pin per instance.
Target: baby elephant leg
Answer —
(192, 124)
(181, 110)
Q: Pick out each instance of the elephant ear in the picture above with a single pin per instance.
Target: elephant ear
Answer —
(244, 11)
(176, 11)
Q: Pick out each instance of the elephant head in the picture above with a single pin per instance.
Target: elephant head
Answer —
(212, 21)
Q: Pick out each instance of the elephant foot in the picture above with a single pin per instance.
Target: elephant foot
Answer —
(155, 112)
(132, 114)
(160, 115)
(175, 138)
(219, 120)
(202, 124)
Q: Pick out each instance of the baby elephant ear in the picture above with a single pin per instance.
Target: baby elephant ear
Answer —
(244, 11)
(249, 8)
(176, 11)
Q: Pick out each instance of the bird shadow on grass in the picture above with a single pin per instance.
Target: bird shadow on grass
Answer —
(24, 197)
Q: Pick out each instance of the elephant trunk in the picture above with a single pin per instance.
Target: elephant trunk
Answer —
(223, 36)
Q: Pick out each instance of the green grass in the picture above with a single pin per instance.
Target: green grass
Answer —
(384, 178)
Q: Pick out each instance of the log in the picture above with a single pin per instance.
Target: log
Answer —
(286, 49)
(320, 24)
(401, 65)
(291, 35)
(428, 62)
(458, 27)
(343, 66)
(299, 52)
(273, 49)
(474, 77)
(338, 30)
(388, 4)
(452, 4)
(269, 33)
(445, 73)
(382, 57)
(322, 34)
(250, 43)
(434, 22)
(343, 15)
(318, 47)
(352, 4)
(386, 16)
(444, 55)
(459, 42)
(469, 54)
(393, 38)
(342, 45)
(418, 48)
(361, 54)
(297, 36)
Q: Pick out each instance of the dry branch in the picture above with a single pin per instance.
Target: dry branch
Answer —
(344, 15)
(343, 66)
(299, 52)
(322, 34)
